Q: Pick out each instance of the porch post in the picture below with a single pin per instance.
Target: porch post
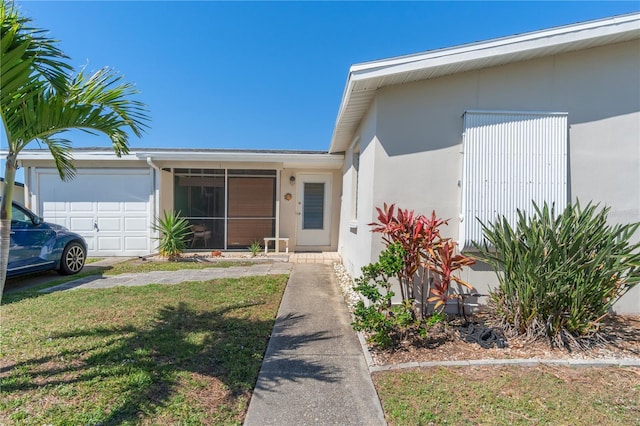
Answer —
(277, 242)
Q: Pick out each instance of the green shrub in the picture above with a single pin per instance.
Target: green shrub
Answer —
(558, 277)
(174, 234)
(385, 323)
(423, 249)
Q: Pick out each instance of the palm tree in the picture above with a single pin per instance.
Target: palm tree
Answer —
(40, 99)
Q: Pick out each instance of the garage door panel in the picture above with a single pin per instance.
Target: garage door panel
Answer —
(106, 243)
(106, 224)
(136, 207)
(81, 224)
(118, 201)
(110, 207)
(135, 243)
(53, 206)
(91, 243)
(135, 224)
(81, 207)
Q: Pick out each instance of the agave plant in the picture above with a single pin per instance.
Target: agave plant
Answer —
(174, 234)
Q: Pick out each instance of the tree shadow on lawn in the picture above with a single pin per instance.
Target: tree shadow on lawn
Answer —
(31, 286)
(142, 368)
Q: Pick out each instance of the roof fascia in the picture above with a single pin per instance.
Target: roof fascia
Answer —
(288, 160)
(566, 35)
(547, 37)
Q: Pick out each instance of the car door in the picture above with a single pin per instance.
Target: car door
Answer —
(28, 239)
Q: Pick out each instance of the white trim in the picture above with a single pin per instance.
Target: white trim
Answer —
(512, 112)
(282, 159)
(580, 31)
(155, 234)
(277, 207)
(364, 79)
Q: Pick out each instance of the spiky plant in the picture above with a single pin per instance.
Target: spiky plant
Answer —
(174, 234)
(560, 275)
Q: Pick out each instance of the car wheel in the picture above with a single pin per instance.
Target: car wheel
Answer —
(73, 258)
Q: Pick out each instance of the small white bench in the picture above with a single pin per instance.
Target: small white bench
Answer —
(277, 244)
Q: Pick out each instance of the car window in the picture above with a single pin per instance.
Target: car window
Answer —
(19, 215)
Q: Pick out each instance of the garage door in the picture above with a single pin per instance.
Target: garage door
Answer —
(110, 208)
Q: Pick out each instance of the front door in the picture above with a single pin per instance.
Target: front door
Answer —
(314, 210)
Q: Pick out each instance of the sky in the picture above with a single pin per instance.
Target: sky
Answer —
(268, 75)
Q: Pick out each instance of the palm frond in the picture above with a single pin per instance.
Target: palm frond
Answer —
(39, 97)
(105, 89)
(33, 48)
(61, 151)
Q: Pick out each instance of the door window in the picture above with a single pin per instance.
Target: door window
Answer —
(313, 214)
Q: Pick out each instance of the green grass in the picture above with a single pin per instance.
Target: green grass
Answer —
(148, 266)
(510, 396)
(183, 354)
(124, 267)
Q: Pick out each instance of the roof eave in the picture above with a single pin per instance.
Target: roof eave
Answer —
(364, 79)
(280, 159)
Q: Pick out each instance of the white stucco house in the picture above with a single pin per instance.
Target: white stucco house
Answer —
(235, 196)
(478, 130)
(470, 131)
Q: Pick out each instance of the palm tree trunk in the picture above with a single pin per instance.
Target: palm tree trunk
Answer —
(5, 218)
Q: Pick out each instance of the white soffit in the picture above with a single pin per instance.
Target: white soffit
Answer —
(365, 78)
(278, 159)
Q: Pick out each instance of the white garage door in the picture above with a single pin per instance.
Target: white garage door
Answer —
(110, 208)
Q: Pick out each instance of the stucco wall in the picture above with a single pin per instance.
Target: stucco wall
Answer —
(18, 191)
(418, 134)
(355, 244)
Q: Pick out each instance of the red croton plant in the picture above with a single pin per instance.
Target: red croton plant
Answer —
(423, 246)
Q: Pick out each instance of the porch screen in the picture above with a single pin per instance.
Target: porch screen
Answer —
(199, 196)
(509, 160)
(251, 211)
(226, 208)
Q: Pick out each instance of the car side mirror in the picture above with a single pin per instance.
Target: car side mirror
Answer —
(37, 220)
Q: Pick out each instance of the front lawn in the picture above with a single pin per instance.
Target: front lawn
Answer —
(124, 267)
(138, 266)
(157, 354)
(510, 396)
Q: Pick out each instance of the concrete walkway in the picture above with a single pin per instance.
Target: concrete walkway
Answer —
(173, 277)
(314, 371)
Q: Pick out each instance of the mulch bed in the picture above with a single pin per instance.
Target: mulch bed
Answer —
(619, 337)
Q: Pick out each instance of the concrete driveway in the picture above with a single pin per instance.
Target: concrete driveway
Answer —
(25, 282)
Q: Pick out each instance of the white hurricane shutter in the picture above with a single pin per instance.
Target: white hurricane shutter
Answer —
(509, 160)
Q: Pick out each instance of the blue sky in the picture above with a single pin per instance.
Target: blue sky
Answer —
(268, 75)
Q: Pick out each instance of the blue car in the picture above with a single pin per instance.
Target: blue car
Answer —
(40, 246)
